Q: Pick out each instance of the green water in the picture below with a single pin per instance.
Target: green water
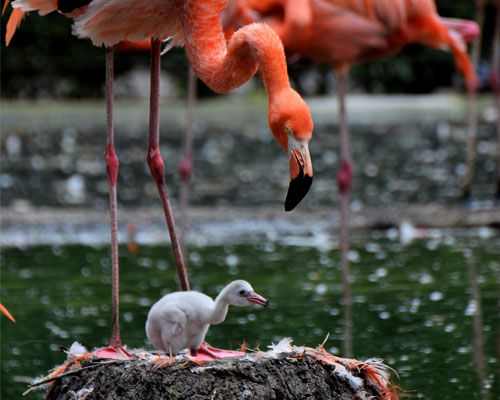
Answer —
(412, 305)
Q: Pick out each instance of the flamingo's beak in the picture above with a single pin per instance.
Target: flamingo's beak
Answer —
(301, 172)
(257, 299)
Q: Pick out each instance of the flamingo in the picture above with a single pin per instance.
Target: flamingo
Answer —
(343, 32)
(109, 22)
(221, 65)
(180, 320)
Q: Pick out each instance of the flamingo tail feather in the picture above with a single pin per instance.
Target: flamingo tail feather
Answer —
(13, 23)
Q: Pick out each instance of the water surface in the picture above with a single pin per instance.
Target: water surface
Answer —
(415, 306)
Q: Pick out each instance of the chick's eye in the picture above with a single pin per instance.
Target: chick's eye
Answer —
(242, 292)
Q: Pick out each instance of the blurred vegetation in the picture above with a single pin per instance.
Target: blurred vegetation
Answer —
(45, 60)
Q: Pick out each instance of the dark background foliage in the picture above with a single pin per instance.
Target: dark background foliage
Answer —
(45, 60)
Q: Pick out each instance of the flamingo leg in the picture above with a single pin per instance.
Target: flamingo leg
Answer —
(472, 117)
(470, 145)
(495, 80)
(186, 164)
(155, 161)
(344, 180)
(115, 348)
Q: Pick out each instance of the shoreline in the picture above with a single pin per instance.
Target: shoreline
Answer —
(213, 225)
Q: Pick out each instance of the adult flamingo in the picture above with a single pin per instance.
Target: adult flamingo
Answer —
(109, 22)
(343, 32)
(222, 66)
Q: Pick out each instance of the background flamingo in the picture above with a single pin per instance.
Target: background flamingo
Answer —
(222, 66)
(472, 130)
(472, 116)
(495, 81)
(343, 32)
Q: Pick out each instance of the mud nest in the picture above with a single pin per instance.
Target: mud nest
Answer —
(290, 373)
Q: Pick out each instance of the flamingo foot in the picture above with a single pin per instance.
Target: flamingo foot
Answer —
(208, 353)
(112, 352)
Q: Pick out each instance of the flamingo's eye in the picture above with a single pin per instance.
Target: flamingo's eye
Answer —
(288, 130)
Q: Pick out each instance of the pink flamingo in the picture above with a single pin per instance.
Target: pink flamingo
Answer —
(341, 33)
(221, 65)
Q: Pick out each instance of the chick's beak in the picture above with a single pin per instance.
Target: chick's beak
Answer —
(301, 173)
(257, 299)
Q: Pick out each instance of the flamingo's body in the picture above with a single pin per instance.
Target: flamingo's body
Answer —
(344, 32)
(221, 65)
(180, 320)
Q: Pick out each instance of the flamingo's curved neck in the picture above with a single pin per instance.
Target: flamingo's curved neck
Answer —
(225, 66)
(219, 312)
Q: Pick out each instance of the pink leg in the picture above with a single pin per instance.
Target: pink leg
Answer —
(495, 82)
(115, 348)
(186, 164)
(472, 117)
(155, 162)
(470, 146)
(344, 180)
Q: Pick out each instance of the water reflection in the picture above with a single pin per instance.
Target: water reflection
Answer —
(408, 304)
(474, 309)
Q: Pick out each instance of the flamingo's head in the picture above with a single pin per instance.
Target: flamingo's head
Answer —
(241, 293)
(291, 123)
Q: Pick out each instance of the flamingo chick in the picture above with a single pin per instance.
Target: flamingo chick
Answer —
(180, 320)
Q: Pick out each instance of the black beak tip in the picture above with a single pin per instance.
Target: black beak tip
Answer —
(297, 190)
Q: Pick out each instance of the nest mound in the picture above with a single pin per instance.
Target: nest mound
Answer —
(284, 372)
